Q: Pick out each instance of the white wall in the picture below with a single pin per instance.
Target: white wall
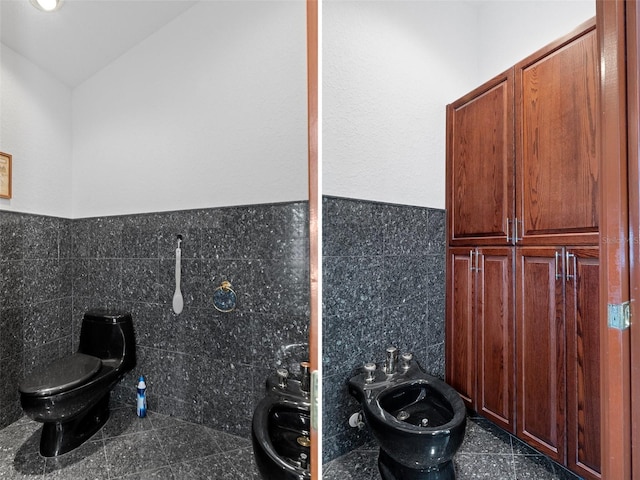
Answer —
(534, 23)
(390, 68)
(35, 128)
(209, 111)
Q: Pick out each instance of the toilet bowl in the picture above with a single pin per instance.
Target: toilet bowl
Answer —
(281, 427)
(417, 419)
(71, 395)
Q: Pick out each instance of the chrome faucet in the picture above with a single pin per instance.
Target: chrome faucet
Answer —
(405, 362)
(392, 360)
(283, 374)
(370, 372)
(305, 381)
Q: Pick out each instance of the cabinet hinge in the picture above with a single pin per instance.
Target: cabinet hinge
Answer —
(619, 315)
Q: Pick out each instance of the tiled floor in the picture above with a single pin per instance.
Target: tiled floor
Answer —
(486, 453)
(127, 447)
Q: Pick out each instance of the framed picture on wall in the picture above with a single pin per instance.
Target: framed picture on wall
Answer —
(5, 175)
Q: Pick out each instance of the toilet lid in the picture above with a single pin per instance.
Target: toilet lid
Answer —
(61, 375)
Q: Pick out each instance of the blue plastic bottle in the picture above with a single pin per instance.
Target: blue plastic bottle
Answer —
(142, 398)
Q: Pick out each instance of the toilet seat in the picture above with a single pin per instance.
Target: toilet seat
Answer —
(61, 375)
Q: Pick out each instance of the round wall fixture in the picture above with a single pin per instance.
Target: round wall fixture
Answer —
(47, 5)
(224, 298)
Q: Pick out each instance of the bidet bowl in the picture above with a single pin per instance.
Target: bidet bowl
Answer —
(397, 421)
(280, 435)
(418, 421)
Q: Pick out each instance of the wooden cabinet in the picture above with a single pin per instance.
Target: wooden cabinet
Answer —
(480, 364)
(480, 137)
(556, 154)
(522, 271)
(522, 158)
(541, 350)
(583, 361)
(460, 326)
(557, 314)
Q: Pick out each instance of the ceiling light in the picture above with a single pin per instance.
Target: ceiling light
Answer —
(47, 5)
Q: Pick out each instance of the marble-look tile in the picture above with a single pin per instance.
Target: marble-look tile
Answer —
(134, 453)
(12, 238)
(481, 436)
(405, 280)
(140, 280)
(490, 467)
(187, 442)
(403, 326)
(11, 373)
(213, 467)
(271, 333)
(124, 420)
(351, 228)
(160, 421)
(357, 465)
(128, 262)
(12, 283)
(352, 286)
(229, 443)
(19, 451)
(12, 322)
(87, 460)
(243, 464)
(539, 467)
(162, 473)
(406, 230)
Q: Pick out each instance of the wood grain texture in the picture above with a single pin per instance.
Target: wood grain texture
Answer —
(556, 156)
(480, 162)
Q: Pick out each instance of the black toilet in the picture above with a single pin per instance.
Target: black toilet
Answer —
(71, 395)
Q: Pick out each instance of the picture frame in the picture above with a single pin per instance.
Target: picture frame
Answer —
(5, 175)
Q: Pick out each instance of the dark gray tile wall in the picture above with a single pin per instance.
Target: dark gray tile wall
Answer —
(35, 300)
(202, 365)
(383, 284)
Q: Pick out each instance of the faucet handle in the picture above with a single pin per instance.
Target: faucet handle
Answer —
(392, 360)
(370, 372)
(305, 381)
(283, 374)
(406, 361)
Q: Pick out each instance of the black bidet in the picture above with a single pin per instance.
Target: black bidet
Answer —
(418, 420)
(281, 431)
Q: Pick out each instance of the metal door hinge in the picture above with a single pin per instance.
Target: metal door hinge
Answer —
(619, 315)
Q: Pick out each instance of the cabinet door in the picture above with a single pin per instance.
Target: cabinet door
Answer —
(583, 361)
(460, 336)
(557, 155)
(494, 336)
(541, 394)
(480, 164)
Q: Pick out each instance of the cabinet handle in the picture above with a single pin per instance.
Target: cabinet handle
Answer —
(508, 227)
(515, 229)
(558, 255)
(471, 267)
(570, 258)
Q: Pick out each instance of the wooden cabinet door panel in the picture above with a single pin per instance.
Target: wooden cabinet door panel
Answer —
(557, 158)
(480, 165)
(494, 336)
(460, 336)
(583, 361)
(540, 351)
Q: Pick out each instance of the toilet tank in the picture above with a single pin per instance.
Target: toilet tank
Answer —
(108, 335)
